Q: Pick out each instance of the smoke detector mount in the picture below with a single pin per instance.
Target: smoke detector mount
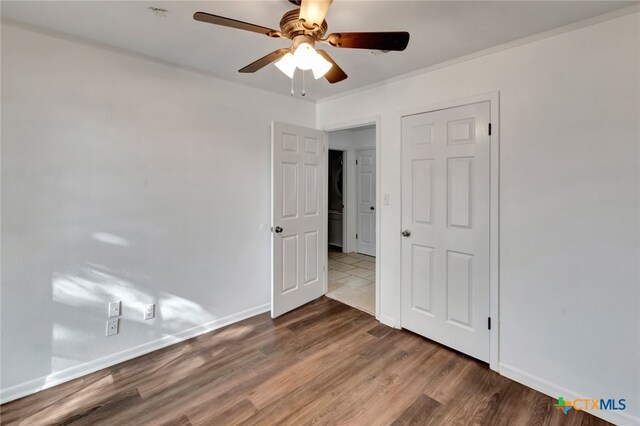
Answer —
(158, 11)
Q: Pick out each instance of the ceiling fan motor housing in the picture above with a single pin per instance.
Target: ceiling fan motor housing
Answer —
(292, 26)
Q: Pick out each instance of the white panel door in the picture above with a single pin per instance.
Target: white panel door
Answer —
(445, 222)
(297, 182)
(366, 194)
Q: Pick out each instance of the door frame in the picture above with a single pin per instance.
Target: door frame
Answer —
(366, 121)
(358, 194)
(494, 209)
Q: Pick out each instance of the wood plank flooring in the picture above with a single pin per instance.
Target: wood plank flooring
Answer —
(325, 363)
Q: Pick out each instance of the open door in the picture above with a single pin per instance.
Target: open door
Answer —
(297, 196)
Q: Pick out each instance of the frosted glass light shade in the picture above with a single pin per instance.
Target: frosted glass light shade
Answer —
(287, 64)
(304, 56)
(320, 66)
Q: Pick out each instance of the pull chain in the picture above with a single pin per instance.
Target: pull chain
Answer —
(303, 93)
(294, 73)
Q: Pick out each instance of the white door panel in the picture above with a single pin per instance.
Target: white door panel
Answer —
(445, 206)
(297, 190)
(366, 193)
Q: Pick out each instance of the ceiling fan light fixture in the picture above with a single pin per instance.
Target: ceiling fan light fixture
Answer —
(305, 56)
(320, 66)
(287, 64)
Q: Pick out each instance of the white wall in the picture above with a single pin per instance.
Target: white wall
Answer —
(351, 140)
(569, 203)
(125, 179)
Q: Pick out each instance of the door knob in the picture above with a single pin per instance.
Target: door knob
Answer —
(406, 233)
(277, 230)
(372, 208)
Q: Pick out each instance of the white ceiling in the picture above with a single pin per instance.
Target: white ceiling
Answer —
(440, 31)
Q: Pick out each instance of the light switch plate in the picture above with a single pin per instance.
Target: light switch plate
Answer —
(385, 199)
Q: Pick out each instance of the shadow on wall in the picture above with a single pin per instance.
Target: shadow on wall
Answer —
(80, 311)
(84, 296)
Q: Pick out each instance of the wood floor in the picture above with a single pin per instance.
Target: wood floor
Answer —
(324, 363)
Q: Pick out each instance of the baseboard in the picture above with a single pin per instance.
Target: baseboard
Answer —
(44, 382)
(555, 391)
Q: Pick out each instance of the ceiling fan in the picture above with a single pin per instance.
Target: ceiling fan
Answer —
(305, 26)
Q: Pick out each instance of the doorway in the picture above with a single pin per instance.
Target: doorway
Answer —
(351, 217)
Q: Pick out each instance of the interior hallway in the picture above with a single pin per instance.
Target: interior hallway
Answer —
(352, 279)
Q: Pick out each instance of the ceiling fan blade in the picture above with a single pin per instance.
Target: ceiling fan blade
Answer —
(314, 11)
(335, 73)
(397, 40)
(233, 23)
(265, 60)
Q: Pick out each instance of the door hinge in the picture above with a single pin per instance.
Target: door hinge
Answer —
(356, 236)
(356, 162)
(489, 129)
(489, 323)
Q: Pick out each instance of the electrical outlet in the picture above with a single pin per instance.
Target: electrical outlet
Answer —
(149, 312)
(114, 309)
(113, 326)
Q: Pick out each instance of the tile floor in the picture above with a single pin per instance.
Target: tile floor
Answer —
(352, 280)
